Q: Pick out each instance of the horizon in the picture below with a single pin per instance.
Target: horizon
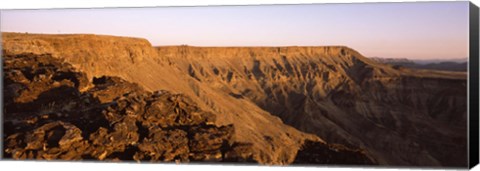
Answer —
(418, 31)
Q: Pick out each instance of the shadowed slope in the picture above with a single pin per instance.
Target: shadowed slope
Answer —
(402, 116)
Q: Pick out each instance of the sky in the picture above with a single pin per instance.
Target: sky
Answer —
(422, 30)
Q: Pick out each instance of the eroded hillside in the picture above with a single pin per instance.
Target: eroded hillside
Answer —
(53, 112)
(400, 116)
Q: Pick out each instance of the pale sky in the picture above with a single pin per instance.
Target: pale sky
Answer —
(424, 30)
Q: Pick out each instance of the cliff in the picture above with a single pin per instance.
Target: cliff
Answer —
(402, 116)
(398, 116)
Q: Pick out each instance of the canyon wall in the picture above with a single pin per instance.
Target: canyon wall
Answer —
(402, 116)
(399, 116)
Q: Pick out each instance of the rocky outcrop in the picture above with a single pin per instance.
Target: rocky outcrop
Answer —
(110, 119)
(50, 117)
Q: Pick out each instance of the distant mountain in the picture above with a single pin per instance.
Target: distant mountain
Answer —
(432, 64)
(429, 61)
(395, 61)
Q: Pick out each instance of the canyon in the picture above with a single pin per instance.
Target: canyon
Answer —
(286, 105)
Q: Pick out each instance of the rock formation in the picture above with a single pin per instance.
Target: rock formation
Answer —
(397, 116)
(252, 124)
(49, 117)
(54, 112)
(401, 116)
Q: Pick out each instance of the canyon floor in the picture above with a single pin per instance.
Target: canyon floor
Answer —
(94, 97)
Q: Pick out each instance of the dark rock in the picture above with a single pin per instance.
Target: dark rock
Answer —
(209, 138)
(107, 89)
(175, 110)
(112, 120)
(313, 153)
(164, 145)
(240, 152)
(54, 140)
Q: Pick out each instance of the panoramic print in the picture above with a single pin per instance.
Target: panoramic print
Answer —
(371, 84)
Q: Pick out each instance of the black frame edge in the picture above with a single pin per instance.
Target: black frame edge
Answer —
(2, 138)
(473, 86)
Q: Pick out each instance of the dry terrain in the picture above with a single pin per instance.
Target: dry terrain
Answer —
(272, 105)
